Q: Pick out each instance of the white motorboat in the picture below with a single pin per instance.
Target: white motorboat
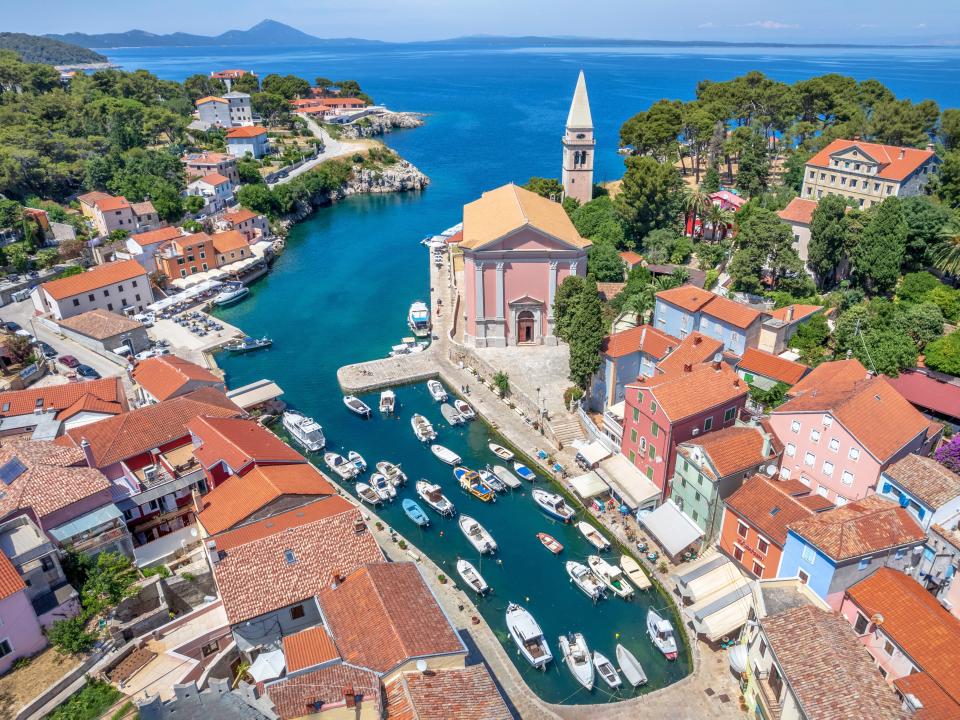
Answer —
(524, 472)
(500, 451)
(358, 461)
(356, 405)
(367, 494)
(611, 575)
(576, 654)
(465, 409)
(477, 535)
(433, 496)
(506, 477)
(492, 481)
(451, 415)
(445, 454)
(585, 580)
(408, 346)
(606, 670)
(382, 487)
(340, 465)
(392, 472)
(634, 572)
(630, 667)
(418, 319)
(528, 636)
(305, 431)
(247, 344)
(661, 634)
(422, 428)
(553, 505)
(593, 535)
(437, 391)
(388, 401)
(230, 293)
(472, 577)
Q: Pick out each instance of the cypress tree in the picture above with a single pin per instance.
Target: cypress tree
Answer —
(586, 334)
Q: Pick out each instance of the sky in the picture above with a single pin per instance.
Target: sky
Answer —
(857, 21)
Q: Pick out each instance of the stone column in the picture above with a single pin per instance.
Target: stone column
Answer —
(500, 291)
(553, 287)
(478, 281)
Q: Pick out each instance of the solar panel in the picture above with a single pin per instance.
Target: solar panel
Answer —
(11, 470)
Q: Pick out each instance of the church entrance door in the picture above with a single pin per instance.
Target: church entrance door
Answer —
(525, 327)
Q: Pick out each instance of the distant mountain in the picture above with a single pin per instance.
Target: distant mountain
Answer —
(266, 33)
(37, 49)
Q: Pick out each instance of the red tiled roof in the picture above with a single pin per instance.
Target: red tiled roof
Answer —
(815, 502)
(730, 312)
(10, 580)
(455, 238)
(937, 705)
(245, 132)
(840, 372)
(237, 443)
(463, 693)
(109, 203)
(164, 376)
(60, 397)
(757, 501)
(96, 278)
(91, 198)
(143, 208)
(683, 394)
(643, 338)
(208, 158)
(892, 165)
(733, 449)
(308, 648)
(929, 392)
(799, 211)
(384, 615)
(631, 258)
(229, 241)
(214, 179)
(295, 697)
(926, 479)
(770, 366)
(687, 297)
(240, 216)
(156, 236)
(210, 98)
(315, 509)
(694, 349)
(799, 312)
(100, 324)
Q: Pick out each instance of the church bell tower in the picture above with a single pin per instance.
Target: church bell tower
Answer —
(578, 147)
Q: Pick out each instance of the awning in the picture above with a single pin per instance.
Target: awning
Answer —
(721, 614)
(673, 530)
(592, 452)
(618, 409)
(84, 523)
(589, 485)
(255, 394)
(717, 579)
(267, 666)
(629, 484)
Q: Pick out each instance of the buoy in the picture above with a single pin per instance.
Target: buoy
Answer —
(527, 599)
(617, 636)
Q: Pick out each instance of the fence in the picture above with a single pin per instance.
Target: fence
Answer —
(595, 433)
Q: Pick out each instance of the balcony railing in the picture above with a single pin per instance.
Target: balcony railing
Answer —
(771, 699)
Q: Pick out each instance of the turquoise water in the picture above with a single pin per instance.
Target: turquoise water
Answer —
(340, 292)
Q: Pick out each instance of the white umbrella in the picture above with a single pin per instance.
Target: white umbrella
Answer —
(737, 657)
(268, 666)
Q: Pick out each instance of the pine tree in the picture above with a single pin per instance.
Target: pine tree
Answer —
(651, 197)
(586, 334)
(879, 252)
(828, 238)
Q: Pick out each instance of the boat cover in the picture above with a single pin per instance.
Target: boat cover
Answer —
(589, 485)
(630, 485)
(721, 614)
(673, 530)
(592, 452)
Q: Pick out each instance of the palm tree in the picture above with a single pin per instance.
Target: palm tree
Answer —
(642, 302)
(695, 202)
(946, 253)
(716, 217)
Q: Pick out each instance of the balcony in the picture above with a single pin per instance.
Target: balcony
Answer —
(770, 695)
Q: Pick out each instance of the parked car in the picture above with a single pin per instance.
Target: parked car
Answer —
(87, 372)
(11, 326)
(47, 350)
(69, 361)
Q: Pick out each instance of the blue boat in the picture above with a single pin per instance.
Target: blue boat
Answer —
(524, 472)
(415, 512)
(470, 481)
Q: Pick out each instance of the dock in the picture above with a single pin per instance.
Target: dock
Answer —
(388, 372)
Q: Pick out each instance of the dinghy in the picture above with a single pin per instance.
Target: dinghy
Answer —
(576, 654)
(356, 405)
(358, 461)
(306, 431)
(415, 512)
(437, 391)
(445, 454)
(606, 670)
(633, 570)
(465, 409)
(434, 497)
(472, 577)
(382, 487)
(550, 543)
(593, 535)
(528, 636)
(451, 415)
(553, 505)
(340, 465)
(661, 634)
(393, 473)
(470, 481)
(422, 428)
(500, 451)
(585, 580)
(523, 471)
(492, 481)
(630, 667)
(477, 535)
(388, 401)
(506, 477)
(367, 494)
(611, 575)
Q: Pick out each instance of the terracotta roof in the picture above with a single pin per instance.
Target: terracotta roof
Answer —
(799, 312)
(314, 508)
(455, 238)
(926, 479)
(799, 211)
(687, 297)
(100, 324)
(156, 236)
(770, 366)
(240, 496)
(308, 648)
(110, 203)
(246, 132)
(240, 216)
(730, 312)
(295, 697)
(238, 442)
(937, 705)
(464, 693)
(860, 528)
(60, 397)
(892, 165)
(815, 502)
(694, 349)
(53, 478)
(631, 258)
(733, 449)
(214, 179)
(793, 487)
(609, 290)
(121, 437)
(96, 278)
(929, 391)
(91, 198)
(643, 338)
(208, 158)
(682, 394)
(10, 580)
(914, 620)
(143, 208)
(228, 241)
(767, 506)
(165, 376)
(384, 615)
(828, 670)
(840, 372)
(256, 577)
(508, 208)
(210, 98)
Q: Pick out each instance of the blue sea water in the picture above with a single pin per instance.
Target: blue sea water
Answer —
(340, 292)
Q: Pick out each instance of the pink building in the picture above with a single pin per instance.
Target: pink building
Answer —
(20, 634)
(842, 428)
(517, 249)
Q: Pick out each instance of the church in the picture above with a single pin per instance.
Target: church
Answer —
(518, 247)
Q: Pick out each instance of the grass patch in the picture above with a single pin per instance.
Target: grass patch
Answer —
(123, 711)
(90, 703)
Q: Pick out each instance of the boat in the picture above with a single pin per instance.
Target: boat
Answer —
(451, 415)
(247, 344)
(382, 487)
(523, 471)
(465, 409)
(492, 481)
(230, 293)
(422, 428)
(477, 535)
(661, 634)
(634, 572)
(433, 496)
(506, 477)
(576, 654)
(437, 391)
(418, 319)
(550, 543)
(472, 577)
(470, 481)
(445, 454)
(392, 472)
(304, 430)
(593, 535)
(339, 464)
(408, 346)
(388, 401)
(415, 512)
(585, 580)
(357, 460)
(500, 451)
(528, 636)
(355, 404)
(367, 494)
(606, 670)
(630, 667)
(553, 505)
(611, 575)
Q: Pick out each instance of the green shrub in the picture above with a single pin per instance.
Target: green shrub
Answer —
(501, 381)
(188, 576)
(161, 570)
(70, 636)
(89, 703)
(123, 711)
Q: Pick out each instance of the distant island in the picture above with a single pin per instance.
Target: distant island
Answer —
(47, 50)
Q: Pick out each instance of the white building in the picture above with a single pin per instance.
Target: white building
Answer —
(241, 112)
(215, 189)
(214, 111)
(121, 287)
(142, 247)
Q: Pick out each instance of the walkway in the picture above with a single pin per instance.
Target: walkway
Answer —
(332, 148)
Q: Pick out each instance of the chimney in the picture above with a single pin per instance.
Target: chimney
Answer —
(643, 335)
(716, 364)
(790, 309)
(697, 339)
(767, 445)
(687, 367)
(902, 153)
(930, 147)
(856, 138)
(87, 452)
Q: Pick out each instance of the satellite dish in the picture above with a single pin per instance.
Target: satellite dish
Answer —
(876, 619)
(771, 469)
(718, 357)
(422, 665)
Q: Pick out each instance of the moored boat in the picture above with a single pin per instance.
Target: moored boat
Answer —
(246, 344)
(553, 505)
(550, 543)
(340, 465)
(415, 512)
(356, 405)
(418, 319)
(528, 636)
(576, 654)
(358, 461)
(660, 631)
(506, 477)
(437, 391)
(585, 580)
(230, 293)
(422, 428)
(470, 481)
(634, 572)
(500, 451)
(477, 535)
(492, 481)
(611, 575)
(630, 667)
(523, 471)
(433, 496)
(472, 577)
(392, 472)
(445, 454)
(606, 671)
(465, 409)
(388, 401)
(367, 494)
(593, 535)
(451, 415)
(305, 431)
(382, 487)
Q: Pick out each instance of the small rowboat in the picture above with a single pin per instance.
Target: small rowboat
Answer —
(477, 534)
(630, 667)
(581, 576)
(500, 451)
(550, 543)
(523, 471)
(611, 575)
(593, 535)
(553, 505)
(358, 461)
(451, 415)
(472, 577)
(367, 494)
(356, 405)
(470, 481)
(506, 477)
(437, 391)
(465, 409)
(340, 465)
(415, 512)
(382, 487)
(492, 481)
(433, 496)
(606, 670)
(392, 472)
(445, 454)
(633, 570)
(573, 648)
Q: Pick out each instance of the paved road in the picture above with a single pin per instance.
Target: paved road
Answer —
(332, 148)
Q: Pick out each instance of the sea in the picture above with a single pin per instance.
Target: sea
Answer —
(340, 291)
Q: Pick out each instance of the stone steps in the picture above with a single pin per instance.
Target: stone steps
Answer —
(566, 428)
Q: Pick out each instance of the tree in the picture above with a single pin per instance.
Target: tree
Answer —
(753, 172)
(947, 299)
(943, 355)
(913, 287)
(695, 203)
(272, 106)
(945, 255)
(287, 86)
(878, 335)
(564, 305)
(323, 84)
(246, 83)
(925, 221)
(198, 86)
(249, 171)
(110, 580)
(719, 220)
(879, 253)
(765, 247)
(711, 179)
(948, 185)
(194, 204)
(828, 239)
(20, 347)
(47, 258)
(794, 167)
(811, 339)
(546, 187)
(650, 197)
(948, 454)
(666, 246)
(925, 322)
(258, 198)
(950, 128)
(655, 131)
(11, 213)
(771, 397)
(70, 636)
(586, 334)
(604, 262)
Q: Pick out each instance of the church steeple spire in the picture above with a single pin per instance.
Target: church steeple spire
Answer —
(579, 115)
(578, 146)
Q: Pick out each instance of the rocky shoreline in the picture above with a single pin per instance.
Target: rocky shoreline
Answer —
(375, 125)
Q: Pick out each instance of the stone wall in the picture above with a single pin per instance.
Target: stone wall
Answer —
(185, 595)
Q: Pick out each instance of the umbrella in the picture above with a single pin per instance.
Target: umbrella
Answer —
(737, 657)
(267, 666)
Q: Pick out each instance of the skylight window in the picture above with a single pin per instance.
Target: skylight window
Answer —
(11, 470)
(289, 557)
(774, 510)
